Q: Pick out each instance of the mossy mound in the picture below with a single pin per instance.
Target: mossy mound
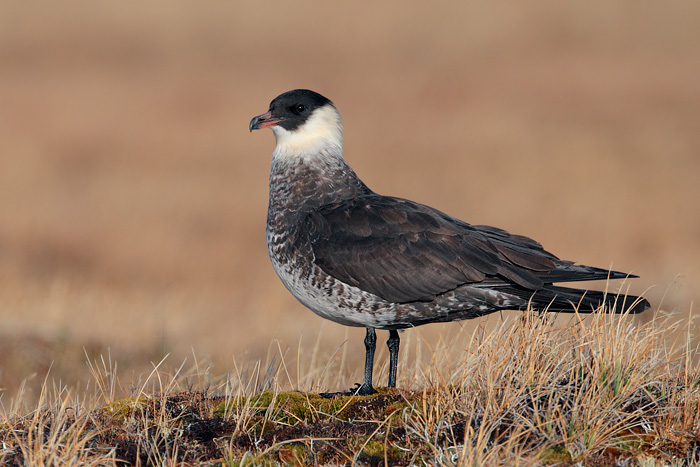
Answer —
(392, 427)
(270, 428)
(289, 408)
(298, 428)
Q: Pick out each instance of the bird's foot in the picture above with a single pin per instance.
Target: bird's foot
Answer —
(364, 390)
(331, 395)
(358, 390)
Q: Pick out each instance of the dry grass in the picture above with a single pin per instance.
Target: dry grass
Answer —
(597, 391)
(133, 198)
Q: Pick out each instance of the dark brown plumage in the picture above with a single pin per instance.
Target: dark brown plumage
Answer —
(405, 252)
(363, 259)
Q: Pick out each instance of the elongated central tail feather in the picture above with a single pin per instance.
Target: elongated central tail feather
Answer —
(568, 300)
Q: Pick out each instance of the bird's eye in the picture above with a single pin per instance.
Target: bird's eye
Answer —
(300, 108)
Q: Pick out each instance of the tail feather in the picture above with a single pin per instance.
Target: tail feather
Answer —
(568, 300)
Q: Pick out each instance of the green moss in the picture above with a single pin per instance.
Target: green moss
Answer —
(259, 425)
(284, 407)
(296, 406)
(124, 408)
(293, 407)
(555, 455)
(374, 452)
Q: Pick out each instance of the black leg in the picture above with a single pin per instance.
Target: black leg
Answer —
(370, 344)
(393, 344)
(366, 389)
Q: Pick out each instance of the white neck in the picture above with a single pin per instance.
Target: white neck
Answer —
(322, 134)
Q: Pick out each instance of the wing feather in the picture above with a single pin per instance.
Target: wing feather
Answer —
(400, 250)
(404, 251)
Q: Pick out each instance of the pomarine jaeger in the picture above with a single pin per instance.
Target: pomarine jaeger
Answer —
(363, 259)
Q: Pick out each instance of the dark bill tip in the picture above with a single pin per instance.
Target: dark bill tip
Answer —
(253, 124)
(265, 120)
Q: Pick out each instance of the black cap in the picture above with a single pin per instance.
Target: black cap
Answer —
(290, 110)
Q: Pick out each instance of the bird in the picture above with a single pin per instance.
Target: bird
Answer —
(363, 259)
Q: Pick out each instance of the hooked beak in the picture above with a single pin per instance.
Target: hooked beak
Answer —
(265, 120)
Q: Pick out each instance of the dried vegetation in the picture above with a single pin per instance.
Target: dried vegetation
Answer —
(598, 391)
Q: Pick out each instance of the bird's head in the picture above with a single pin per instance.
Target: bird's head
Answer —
(303, 122)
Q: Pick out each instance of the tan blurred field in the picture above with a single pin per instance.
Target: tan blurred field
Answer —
(133, 198)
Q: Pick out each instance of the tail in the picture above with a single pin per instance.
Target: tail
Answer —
(568, 300)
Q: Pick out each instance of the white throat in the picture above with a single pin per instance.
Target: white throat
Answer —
(321, 134)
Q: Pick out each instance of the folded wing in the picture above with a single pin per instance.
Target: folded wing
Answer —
(405, 252)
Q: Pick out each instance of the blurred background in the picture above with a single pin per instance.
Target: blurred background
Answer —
(133, 198)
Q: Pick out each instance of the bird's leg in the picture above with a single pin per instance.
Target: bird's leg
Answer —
(366, 388)
(393, 344)
(370, 344)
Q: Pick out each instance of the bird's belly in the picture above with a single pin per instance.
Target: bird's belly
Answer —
(345, 304)
(331, 298)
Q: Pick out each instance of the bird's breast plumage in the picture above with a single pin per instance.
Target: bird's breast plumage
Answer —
(318, 218)
(298, 187)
